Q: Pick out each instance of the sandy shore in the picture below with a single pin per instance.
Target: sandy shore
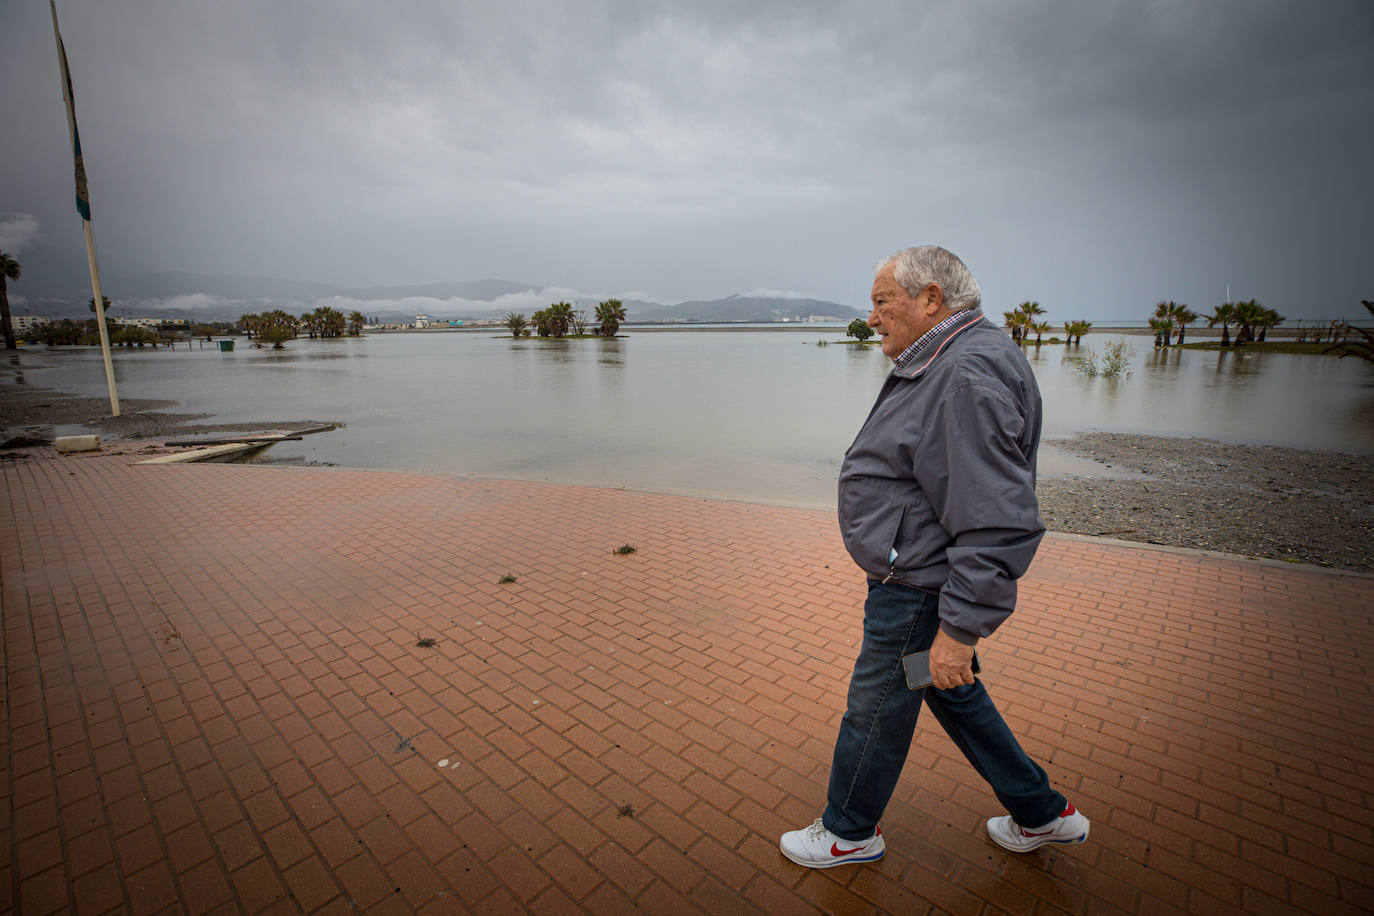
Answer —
(1259, 501)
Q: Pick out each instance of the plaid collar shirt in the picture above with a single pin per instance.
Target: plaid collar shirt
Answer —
(906, 356)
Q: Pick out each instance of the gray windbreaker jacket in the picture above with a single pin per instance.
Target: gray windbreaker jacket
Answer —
(943, 473)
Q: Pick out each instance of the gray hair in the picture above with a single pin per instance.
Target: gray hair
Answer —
(917, 268)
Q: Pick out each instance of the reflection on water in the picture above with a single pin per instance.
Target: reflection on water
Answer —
(755, 414)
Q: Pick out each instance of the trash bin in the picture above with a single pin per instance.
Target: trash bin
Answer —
(226, 346)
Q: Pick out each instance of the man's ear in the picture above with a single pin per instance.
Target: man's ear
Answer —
(936, 297)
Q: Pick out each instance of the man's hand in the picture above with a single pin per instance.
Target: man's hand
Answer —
(951, 662)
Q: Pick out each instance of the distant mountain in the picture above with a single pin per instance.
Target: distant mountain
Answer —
(224, 297)
(743, 308)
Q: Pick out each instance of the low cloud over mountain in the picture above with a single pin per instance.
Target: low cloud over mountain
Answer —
(225, 297)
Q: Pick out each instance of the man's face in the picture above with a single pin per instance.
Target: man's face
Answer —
(898, 318)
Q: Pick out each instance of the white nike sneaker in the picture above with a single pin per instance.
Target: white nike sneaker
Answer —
(1069, 827)
(816, 847)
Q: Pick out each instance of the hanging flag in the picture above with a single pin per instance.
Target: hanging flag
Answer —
(83, 195)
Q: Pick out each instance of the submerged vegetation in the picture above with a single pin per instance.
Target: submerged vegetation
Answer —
(1114, 362)
(1363, 348)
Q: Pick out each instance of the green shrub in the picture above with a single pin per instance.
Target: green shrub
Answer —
(859, 329)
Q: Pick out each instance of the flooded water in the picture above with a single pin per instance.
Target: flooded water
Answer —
(752, 414)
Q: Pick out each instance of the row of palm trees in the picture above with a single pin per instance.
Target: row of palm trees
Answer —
(1168, 316)
(277, 326)
(1025, 320)
(1249, 317)
(560, 319)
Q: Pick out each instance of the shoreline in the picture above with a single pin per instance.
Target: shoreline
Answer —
(1260, 501)
(1252, 500)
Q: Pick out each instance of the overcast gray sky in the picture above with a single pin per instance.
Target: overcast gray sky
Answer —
(1096, 156)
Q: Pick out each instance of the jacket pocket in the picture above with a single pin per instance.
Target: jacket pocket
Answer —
(896, 543)
(873, 516)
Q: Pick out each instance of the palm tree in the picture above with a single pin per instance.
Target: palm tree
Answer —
(329, 321)
(1079, 329)
(610, 313)
(1182, 316)
(275, 327)
(356, 320)
(515, 323)
(560, 316)
(1040, 328)
(9, 270)
(1013, 318)
(1023, 320)
(1247, 315)
(1268, 319)
(1164, 316)
(1162, 327)
(1224, 315)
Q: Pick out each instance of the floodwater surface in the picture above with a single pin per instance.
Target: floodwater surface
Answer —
(763, 414)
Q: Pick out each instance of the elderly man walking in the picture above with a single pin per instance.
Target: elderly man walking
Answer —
(937, 505)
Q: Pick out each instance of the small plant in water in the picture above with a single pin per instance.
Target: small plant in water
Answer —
(822, 343)
(625, 549)
(507, 579)
(1113, 362)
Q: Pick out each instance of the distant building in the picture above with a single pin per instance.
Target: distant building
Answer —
(421, 321)
(154, 322)
(25, 323)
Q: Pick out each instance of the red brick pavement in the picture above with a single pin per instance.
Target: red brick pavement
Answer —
(215, 702)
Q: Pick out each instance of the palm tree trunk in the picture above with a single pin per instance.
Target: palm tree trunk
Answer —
(8, 325)
(1225, 335)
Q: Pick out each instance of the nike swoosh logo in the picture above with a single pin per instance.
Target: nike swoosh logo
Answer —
(835, 850)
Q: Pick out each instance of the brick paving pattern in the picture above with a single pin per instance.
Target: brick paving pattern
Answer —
(215, 702)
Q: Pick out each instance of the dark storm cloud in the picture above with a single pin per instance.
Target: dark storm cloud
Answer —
(1096, 156)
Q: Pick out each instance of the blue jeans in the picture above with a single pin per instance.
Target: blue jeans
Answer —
(880, 720)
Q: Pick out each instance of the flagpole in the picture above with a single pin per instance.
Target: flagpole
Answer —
(100, 317)
(83, 206)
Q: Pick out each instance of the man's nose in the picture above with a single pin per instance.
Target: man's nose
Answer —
(872, 319)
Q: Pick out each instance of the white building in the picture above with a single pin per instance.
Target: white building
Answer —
(421, 321)
(25, 323)
(154, 322)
